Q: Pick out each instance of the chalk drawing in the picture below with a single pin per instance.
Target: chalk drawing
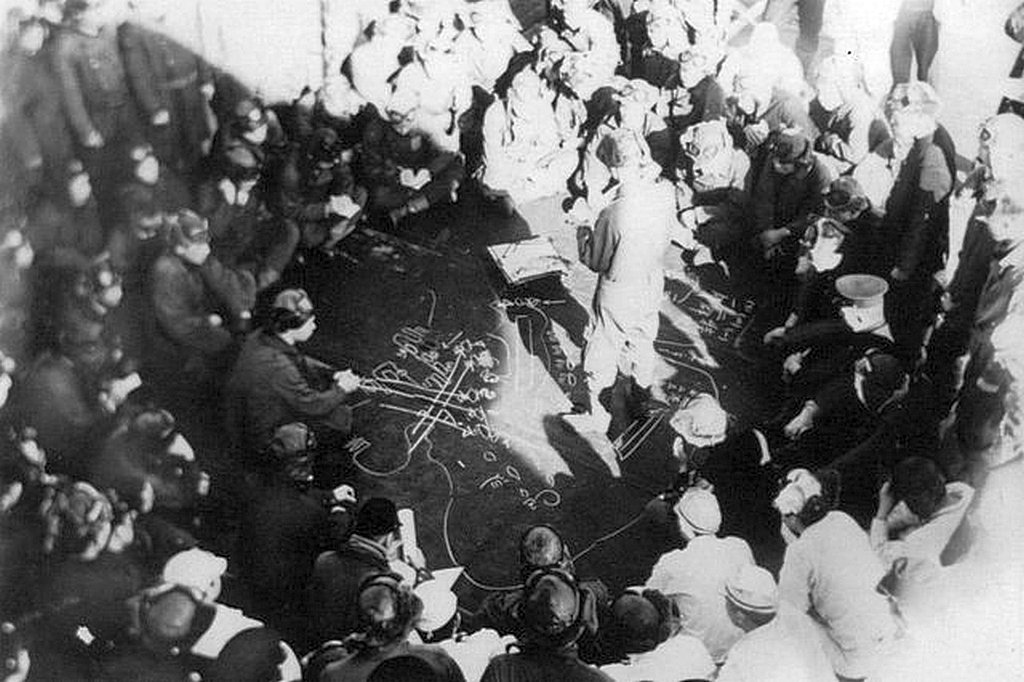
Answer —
(719, 317)
(448, 380)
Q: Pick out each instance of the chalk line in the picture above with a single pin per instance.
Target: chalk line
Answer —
(433, 305)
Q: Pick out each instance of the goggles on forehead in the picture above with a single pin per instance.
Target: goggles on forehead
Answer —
(824, 228)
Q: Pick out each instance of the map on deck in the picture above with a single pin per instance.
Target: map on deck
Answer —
(528, 259)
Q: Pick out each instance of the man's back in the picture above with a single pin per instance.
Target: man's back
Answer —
(634, 231)
(334, 588)
(694, 578)
(359, 666)
(541, 666)
(785, 650)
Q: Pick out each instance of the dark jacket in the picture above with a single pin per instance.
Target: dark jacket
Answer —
(234, 227)
(303, 193)
(92, 79)
(182, 298)
(849, 132)
(273, 384)
(61, 401)
(917, 212)
(976, 255)
(707, 102)
(282, 532)
(54, 226)
(131, 253)
(158, 66)
(541, 666)
(385, 151)
(334, 588)
(778, 200)
(357, 667)
(35, 123)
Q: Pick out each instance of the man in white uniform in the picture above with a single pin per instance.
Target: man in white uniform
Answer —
(695, 576)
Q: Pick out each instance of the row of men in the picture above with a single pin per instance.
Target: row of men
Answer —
(126, 592)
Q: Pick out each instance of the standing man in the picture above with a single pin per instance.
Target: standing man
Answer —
(915, 36)
(95, 91)
(694, 577)
(917, 211)
(810, 16)
(172, 85)
(625, 248)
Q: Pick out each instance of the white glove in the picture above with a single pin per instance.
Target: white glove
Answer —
(161, 118)
(343, 206)
(347, 380)
(120, 389)
(94, 140)
(414, 180)
(792, 364)
(344, 493)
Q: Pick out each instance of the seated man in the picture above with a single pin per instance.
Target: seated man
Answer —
(700, 96)
(317, 190)
(643, 629)
(695, 576)
(387, 612)
(244, 233)
(525, 155)
(554, 617)
(918, 512)
(196, 303)
(622, 106)
(578, 48)
(273, 383)
(768, 61)
(787, 188)
(850, 120)
(152, 189)
(406, 172)
(334, 586)
(755, 109)
(713, 186)
(850, 322)
(252, 126)
(540, 547)
(659, 36)
(285, 526)
(64, 221)
(493, 39)
(433, 89)
(844, 412)
(217, 641)
(779, 644)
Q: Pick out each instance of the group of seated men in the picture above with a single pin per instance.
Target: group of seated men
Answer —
(156, 211)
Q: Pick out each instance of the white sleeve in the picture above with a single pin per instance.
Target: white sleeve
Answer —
(795, 579)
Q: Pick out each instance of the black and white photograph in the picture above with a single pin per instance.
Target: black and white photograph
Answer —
(511, 340)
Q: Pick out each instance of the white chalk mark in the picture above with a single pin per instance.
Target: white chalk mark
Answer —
(433, 305)
(639, 437)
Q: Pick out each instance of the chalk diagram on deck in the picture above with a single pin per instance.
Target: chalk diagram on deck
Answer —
(451, 381)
